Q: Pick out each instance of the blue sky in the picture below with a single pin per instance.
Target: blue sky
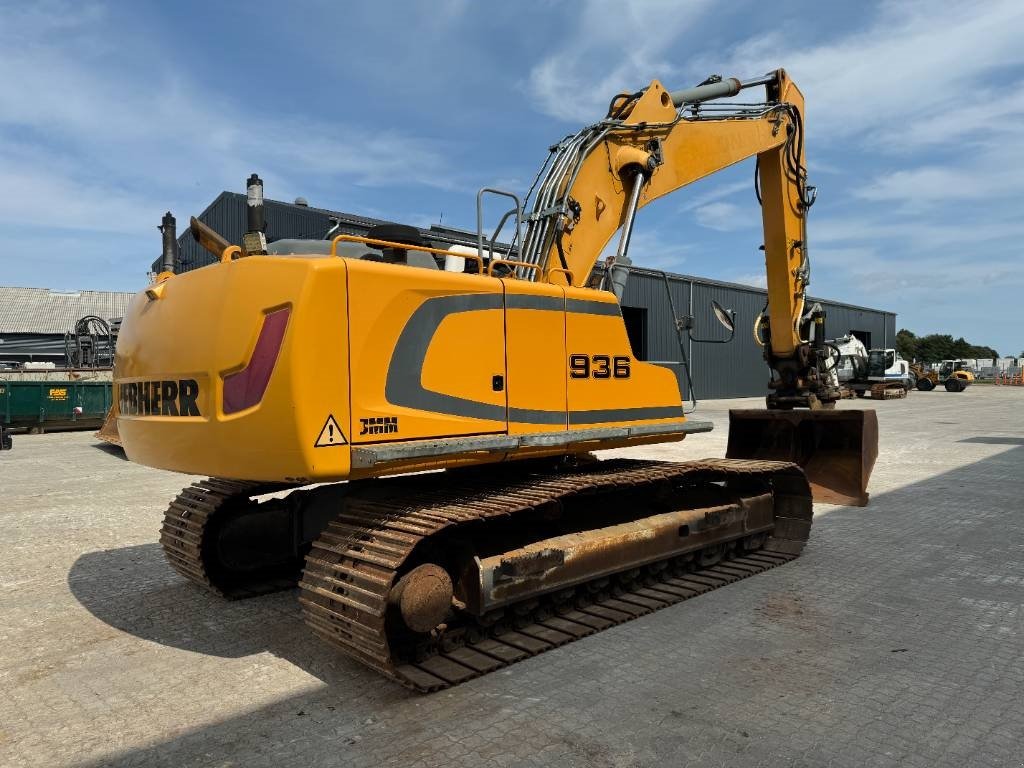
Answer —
(111, 114)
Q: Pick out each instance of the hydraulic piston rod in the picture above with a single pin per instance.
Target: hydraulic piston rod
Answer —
(728, 86)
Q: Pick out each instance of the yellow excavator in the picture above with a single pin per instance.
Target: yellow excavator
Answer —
(432, 416)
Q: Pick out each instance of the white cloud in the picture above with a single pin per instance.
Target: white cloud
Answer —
(650, 248)
(755, 279)
(906, 237)
(718, 193)
(87, 142)
(927, 184)
(722, 217)
(915, 64)
(610, 47)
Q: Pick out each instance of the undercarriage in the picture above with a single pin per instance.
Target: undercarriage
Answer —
(436, 578)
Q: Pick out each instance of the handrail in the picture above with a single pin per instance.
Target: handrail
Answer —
(567, 272)
(480, 219)
(512, 262)
(404, 247)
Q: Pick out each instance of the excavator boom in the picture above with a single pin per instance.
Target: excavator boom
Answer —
(652, 143)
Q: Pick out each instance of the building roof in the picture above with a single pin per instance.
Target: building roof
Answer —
(227, 216)
(40, 310)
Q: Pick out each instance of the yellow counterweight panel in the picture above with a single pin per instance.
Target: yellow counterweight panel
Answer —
(221, 310)
(536, 357)
(395, 313)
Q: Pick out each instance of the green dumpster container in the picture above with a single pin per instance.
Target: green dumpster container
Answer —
(51, 404)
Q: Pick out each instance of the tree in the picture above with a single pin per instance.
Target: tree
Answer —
(936, 347)
(906, 344)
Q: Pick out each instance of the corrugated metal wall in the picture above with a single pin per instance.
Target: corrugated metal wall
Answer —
(227, 216)
(46, 347)
(736, 369)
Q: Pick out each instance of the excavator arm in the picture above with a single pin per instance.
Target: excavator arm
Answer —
(654, 142)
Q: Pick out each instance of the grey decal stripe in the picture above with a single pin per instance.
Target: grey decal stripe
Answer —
(529, 416)
(554, 304)
(521, 301)
(404, 388)
(590, 307)
(625, 414)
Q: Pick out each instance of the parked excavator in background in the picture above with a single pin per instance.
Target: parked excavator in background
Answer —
(882, 374)
(889, 376)
(952, 374)
(357, 361)
(888, 368)
(850, 362)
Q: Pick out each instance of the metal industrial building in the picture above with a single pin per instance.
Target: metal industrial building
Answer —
(226, 215)
(34, 321)
(735, 369)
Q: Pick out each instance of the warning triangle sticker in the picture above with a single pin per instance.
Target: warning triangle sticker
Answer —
(330, 435)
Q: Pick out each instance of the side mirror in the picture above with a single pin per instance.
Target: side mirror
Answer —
(725, 316)
(728, 320)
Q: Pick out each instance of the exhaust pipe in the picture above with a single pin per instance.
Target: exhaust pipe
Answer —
(168, 228)
(254, 241)
(836, 449)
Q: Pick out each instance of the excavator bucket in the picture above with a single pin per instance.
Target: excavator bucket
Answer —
(835, 449)
(108, 432)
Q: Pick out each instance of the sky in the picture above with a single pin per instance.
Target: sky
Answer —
(111, 114)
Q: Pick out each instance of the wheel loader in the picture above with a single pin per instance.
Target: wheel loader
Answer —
(952, 374)
(431, 417)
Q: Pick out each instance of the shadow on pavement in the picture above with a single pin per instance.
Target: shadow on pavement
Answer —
(994, 440)
(134, 590)
(113, 450)
(913, 572)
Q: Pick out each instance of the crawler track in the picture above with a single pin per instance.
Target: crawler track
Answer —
(189, 538)
(354, 563)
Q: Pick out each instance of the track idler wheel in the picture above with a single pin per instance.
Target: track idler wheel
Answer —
(423, 597)
(710, 556)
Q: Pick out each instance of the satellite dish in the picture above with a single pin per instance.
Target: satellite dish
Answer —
(725, 316)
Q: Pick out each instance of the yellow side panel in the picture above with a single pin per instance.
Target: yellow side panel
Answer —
(461, 359)
(535, 352)
(606, 385)
(421, 341)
